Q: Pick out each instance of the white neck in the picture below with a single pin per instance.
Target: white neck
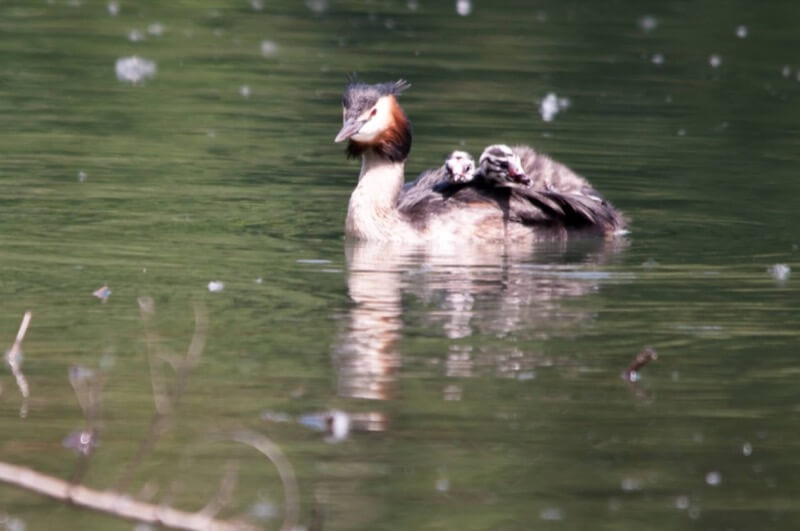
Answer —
(372, 213)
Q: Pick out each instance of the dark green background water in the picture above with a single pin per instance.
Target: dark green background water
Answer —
(496, 376)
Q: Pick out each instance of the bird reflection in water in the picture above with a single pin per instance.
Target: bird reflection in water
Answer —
(487, 289)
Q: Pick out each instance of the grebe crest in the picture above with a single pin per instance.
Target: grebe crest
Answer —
(499, 164)
(373, 120)
(460, 166)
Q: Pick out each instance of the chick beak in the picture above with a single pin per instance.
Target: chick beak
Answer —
(349, 128)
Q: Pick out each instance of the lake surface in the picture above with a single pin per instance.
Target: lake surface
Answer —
(482, 386)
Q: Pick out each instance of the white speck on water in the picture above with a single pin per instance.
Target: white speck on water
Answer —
(676, 376)
(747, 449)
(714, 478)
(780, 272)
(649, 264)
(113, 8)
(257, 5)
(463, 7)
(156, 29)
(389, 23)
(614, 504)
(786, 71)
(542, 17)
(681, 132)
(134, 69)
(135, 36)
(413, 5)
(269, 48)
(657, 59)
(551, 514)
(694, 512)
(263, 510)
(682, 503)
(15, 524)
(698, 437)
(631, 485)
(259, 280)
(442, 485)
(82, 176)
(215, 286)
(211, 133)
(551, 105)
(313, 261)
(714, 60)
(317, 6)
(741, 31)
(525, 376)
(648, 23)
(244, 90)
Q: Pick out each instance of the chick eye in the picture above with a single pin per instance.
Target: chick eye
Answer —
(504, 165)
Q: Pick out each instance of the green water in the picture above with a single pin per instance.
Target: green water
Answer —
(491, 377)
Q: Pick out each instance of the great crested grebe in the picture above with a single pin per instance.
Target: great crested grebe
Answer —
(435, 208)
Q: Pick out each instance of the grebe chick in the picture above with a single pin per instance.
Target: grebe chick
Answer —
(500, 165)
(381, 209)
(460, 166)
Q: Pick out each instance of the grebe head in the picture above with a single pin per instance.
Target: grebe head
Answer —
(460, 166)
(372, 119)
(498, 163)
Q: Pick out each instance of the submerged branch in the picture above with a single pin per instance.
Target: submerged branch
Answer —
(273, 452)
(112, 503)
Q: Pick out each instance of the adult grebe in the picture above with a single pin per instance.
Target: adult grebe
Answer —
(433, 208)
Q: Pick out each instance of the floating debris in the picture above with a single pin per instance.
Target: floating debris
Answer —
(647, 23)
(335, 423)
(741, 31)
(257, 5)
(645, 356)
(747, 449)
(650, 264)
(714, 479)
(681, 132)
(551, 105)
(682, 503)
(102, 293)
(244, 90)
(215, 286)
(135, 36)
(134, 69)
(269, 48)
(657, 59)
(551, 514)
(82, 442)
(275, 416)
(780, 272)
(463, 7)
(82, 176)
(156, 29)
(786, 71)
(317, 6)
(412, 5)
(113, 8)
(714, 60)
(630, 485)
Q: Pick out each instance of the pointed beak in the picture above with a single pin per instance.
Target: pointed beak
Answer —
(349, 128)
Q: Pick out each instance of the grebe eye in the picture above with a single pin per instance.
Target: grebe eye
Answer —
(373, 113)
